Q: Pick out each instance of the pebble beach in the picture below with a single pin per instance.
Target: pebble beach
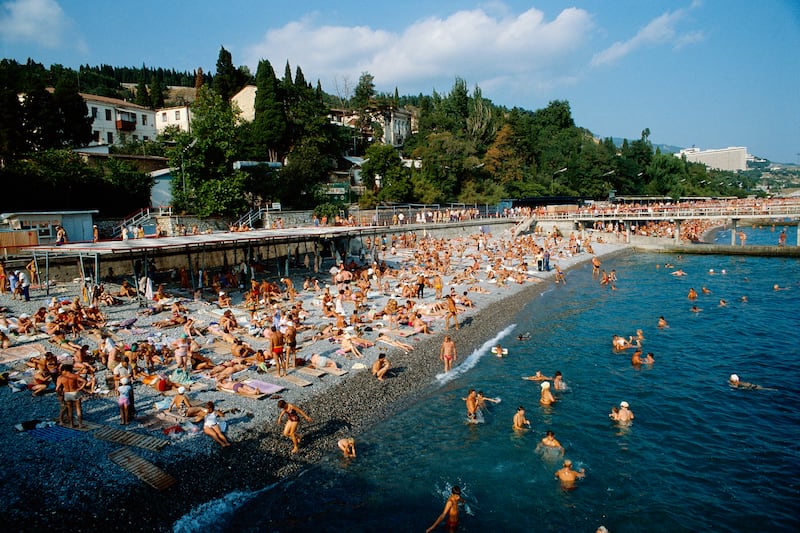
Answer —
(66, 481)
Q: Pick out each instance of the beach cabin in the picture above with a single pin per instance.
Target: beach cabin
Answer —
(39, 227)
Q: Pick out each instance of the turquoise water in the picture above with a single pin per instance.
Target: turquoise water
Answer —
(761, 235)
(699, 455)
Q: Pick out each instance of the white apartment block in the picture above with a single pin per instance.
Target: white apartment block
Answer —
(180, 116)
(114, 121)
(733, 158)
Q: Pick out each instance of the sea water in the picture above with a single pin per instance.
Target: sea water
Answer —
(699, 455)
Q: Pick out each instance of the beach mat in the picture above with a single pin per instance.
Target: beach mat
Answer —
(15, 353)
(53, 433)
(316, 372)
(144, 470)
(130, 438)
(291, 378)
(263, 386)
(335, 371)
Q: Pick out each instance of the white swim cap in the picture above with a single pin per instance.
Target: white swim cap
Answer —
(545, 384)
(181, 390)
(623, 404)
(734, 377)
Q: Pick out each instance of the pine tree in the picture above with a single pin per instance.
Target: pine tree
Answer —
(225, 83)
(269, 126)
(142, 95)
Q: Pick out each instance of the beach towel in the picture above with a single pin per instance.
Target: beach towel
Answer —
(263, 386)
(15, 353)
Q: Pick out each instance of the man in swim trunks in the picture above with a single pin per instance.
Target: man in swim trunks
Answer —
(276, 345)
(450, 511)
(381, 366)
(472, 405)
(71, 385)
(447, 353)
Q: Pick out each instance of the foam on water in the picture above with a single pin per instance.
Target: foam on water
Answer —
(473, 358)
(212, 516)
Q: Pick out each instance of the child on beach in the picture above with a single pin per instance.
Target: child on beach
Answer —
(125, 393)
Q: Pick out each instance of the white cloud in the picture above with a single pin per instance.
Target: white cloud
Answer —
(503, 49)
(661, 30)
(40, 22)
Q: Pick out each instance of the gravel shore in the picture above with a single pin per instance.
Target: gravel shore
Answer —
(71, 484)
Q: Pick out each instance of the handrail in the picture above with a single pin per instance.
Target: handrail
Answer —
(764, 211)
(146, 213)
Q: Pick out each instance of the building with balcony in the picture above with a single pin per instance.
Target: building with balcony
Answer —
(116, 121)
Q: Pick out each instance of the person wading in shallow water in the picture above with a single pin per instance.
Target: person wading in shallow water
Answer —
(450, 511)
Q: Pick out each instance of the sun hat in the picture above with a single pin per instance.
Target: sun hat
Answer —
(623, 404)
(181, 390)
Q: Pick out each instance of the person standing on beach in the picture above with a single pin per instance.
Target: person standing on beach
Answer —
(447, 353)
(452, 312)
(293, 414)
(450, 511)
(71, 386)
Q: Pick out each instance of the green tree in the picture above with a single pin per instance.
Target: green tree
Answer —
(142, 94)
(157, 89)
(206, 158)
(226, 78)
(75, 123)
(269, 125)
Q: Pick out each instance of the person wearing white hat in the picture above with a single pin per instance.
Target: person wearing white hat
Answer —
(734, 381)
(624, 414)
(547, 397)
(180, 401)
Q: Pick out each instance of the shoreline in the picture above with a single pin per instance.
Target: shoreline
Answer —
(205, 472)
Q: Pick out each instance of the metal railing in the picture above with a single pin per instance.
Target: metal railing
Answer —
(141, 216)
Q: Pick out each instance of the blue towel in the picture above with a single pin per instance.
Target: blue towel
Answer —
(53, 433)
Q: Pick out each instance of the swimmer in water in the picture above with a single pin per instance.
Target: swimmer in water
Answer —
(550, 441)
(348, 446)
(695, 309)
(546, 397)
(520, 422)
(622, 415)
(523, 336)
(649, 359)
(536, 377)
(679, 272)
(662, 322)
(558, 381)
(692, 294)
(734, 381)
(568, 476)
(705, 290)
(723, 303)
(472, 405)
(450, 511)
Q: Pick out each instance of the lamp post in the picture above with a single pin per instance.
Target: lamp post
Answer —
(553, 180)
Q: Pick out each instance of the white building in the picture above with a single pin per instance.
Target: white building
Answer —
(246, 100)
(114, 121)
(180, 116)
(396, 123)
(733, 158)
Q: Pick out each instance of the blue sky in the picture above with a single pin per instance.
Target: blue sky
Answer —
(710, 73)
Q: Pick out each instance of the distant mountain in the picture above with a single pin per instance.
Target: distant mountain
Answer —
(665, 148)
